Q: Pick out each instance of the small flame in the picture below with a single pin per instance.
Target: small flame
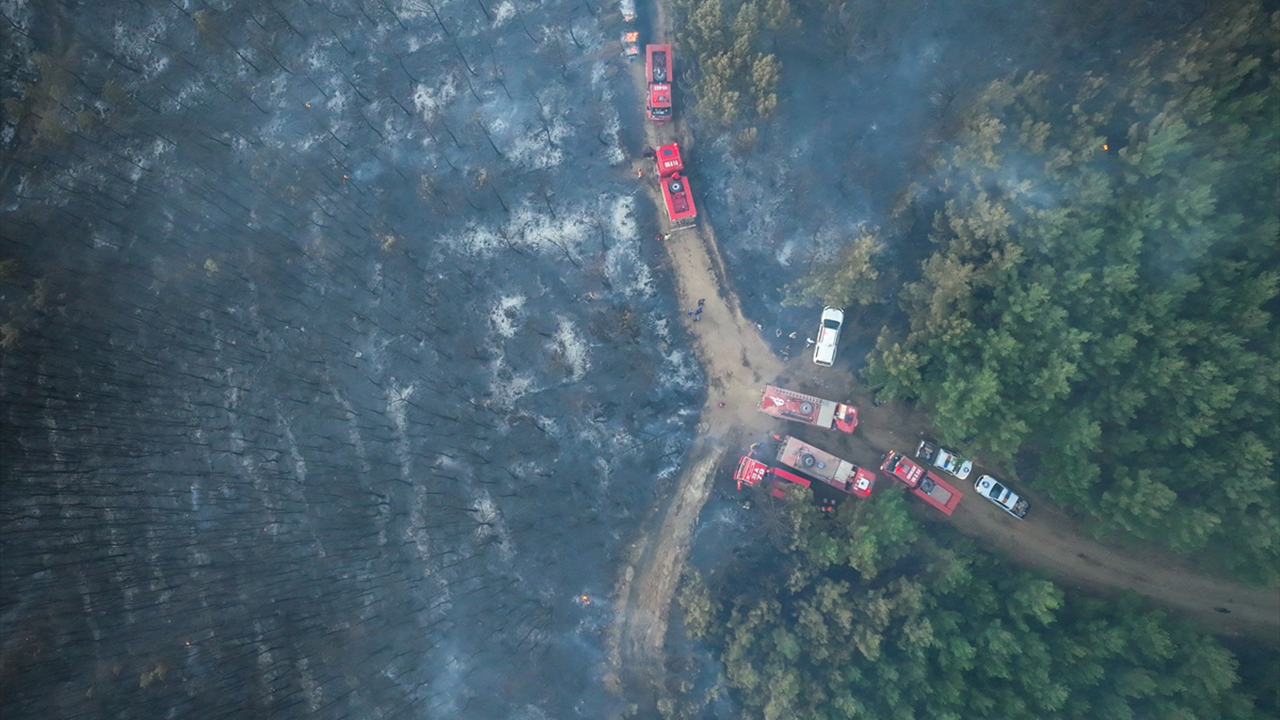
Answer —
(1105, 146)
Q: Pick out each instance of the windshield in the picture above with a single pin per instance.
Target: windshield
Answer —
(997, 489)
(831, 324)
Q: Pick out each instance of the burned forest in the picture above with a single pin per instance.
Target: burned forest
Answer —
(334, 372)
(352, 367)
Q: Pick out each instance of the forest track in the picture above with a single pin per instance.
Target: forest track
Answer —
(1053, 543)
(737, 362)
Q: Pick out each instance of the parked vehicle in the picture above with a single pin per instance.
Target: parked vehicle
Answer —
(824, 351)
(630, 36)
(675, 187)
(791, 405)
(630, 44)
(945, 459)
(1008, 500)
(657, 68)
(752, 472)
(926, 485)
(839, 474)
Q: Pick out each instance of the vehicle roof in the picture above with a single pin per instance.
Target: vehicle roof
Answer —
(651, 50)
(863, 482)
(679, 204)
(987, 485)
(825, 352)
(1011, 501)
(938, 492)
(903, 468)
(750, 470)
(789, 405)
(668, 159)
(790, 476)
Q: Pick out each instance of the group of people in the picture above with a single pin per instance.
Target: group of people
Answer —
(697, 312)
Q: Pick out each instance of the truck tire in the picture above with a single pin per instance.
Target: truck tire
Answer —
(675, 186)
(808, 460)
(806, 407)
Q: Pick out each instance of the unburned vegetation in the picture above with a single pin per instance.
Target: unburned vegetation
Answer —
(734, 75)
(862, 614)
(1100, 297)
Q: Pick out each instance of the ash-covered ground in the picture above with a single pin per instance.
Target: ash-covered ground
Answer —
(337, 369)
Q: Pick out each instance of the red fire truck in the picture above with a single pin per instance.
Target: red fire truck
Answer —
(675, 188)
(657, 73)
(926, 485)
(752, 472)
(791, 405)
(836, 472)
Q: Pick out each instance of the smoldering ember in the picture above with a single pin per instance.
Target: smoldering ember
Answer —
(456, 359)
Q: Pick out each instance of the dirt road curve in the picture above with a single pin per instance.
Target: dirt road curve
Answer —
(737, 362)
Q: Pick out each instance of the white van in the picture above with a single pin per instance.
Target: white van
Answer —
(824, 352)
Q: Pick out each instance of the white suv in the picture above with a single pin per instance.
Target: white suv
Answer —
(824, 352)
(1008, 500)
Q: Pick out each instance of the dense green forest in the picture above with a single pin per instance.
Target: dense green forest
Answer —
(865, 616)
(1101, 295)
(734, 76)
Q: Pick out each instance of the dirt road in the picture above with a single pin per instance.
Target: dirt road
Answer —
(737, 363)
(735, 360)
(1049, 541)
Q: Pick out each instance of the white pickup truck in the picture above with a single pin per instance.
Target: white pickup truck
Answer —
(944, 459)
(824, 349)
